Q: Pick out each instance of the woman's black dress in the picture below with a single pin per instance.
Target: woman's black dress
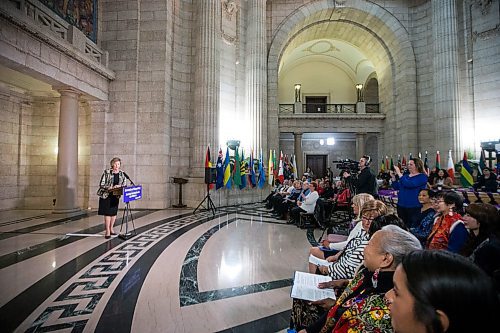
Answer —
(109, 206)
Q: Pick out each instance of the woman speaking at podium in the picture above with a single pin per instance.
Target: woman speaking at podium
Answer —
(112, 178)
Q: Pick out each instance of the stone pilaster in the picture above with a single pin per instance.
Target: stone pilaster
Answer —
(298, 153)
(446, 76)
(256, 72)
(67, 157)
(360, 144)
(207, 85)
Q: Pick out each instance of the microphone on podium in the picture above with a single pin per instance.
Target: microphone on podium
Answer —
(126, 176)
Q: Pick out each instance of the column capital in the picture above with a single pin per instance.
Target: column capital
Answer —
(67, 91)
(298, 133)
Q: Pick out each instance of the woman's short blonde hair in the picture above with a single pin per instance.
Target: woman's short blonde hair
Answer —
(374, 206)
(359, 200)
(113, 160)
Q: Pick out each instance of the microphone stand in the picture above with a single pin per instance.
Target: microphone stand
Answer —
(127, 214)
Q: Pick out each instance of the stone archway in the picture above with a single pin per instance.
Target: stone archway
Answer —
(366, 25)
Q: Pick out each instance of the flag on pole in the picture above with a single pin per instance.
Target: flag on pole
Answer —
(243, 170)
(237, 169)
(262, 173)
(410, 157)
(451, 167)
(281, 176)
(227, 170)
(399, 162)
(251, 175)
(482, 162)
(466, 173)
(387, 166)
(219, 168)
(392, 164)
(294, 167)
(208, 163)
(270, 170)
(382, 166)
(420, 155)
(426, 164)
(403, 164)
(438, 160)
(275, 165)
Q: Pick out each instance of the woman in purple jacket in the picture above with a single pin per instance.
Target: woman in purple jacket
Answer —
(409, 185)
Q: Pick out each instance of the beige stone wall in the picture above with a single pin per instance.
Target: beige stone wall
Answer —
(10, 149)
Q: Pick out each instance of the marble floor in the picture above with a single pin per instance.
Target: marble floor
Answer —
(180, 273)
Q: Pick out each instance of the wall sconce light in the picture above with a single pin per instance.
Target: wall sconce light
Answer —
(297, 92)
(359, 89)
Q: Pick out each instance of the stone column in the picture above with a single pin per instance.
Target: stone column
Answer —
(67, 156)
(298, 152)
(207, 85)
(256, 71)
(446, 76)
(360, 145)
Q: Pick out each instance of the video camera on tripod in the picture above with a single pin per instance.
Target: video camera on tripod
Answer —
(348, 165)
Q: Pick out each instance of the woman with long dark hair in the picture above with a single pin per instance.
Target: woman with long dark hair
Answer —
(438, 292)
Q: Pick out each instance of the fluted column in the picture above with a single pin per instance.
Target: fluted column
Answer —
(446, 76)
(360, 145)
(256, 72)
(67, 156)
(207, 85)
(298, 152)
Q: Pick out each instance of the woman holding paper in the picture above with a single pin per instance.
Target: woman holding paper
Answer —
(329, 249)
(361, 307)
(112, 178)
(351, 257)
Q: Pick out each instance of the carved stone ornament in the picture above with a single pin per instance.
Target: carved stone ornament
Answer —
(230, 21)
(229, 8)
(485, 35)
(484, 5)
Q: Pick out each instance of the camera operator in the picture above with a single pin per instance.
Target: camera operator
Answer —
(365, 180)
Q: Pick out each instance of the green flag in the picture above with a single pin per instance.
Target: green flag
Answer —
(237, 169)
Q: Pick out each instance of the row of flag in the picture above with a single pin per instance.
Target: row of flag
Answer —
(239, 172)
(465, 172)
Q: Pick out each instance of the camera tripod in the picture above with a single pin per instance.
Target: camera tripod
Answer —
(209, 203)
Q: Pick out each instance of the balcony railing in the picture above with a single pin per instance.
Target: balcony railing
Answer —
(327, 108)
(43, 16)
(372, 108)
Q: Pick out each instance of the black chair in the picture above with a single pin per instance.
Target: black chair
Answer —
(307, 220)
(478, 197)
(492, 199)
(466, 197)
(340, 219)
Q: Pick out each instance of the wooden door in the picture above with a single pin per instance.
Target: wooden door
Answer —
(316, 104)
(317, 163)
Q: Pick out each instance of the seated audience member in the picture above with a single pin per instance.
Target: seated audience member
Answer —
(486, 182)
(289, 201)
(327, 190)
(382, 221)
(487, 254)
(478, 219)
(448, 231)
(346, 261)
(438, 292)
(340, 200)
(427, 216)
(361, 307)
(278, 197)
(277, 187)
(307, 204)
(442, 181)
(319, 251)
(433, 174)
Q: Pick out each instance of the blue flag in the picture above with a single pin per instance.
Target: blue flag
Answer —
(220, 171)
(262, 173)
